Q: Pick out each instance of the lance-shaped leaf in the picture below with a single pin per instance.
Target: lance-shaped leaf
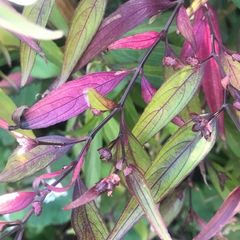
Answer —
(232, 69)
(15, 22)
(16, 201)
(168, 101)
(33, 156)
(225, 213)
(140, 190)
(23, 2)
(134, 153)
(107, 184)
(211, 82)
(98, 102)
(68, 100)
(85, 23)
(86, 220)
(148, 91)
(137, 41)
(178, 157)
(185, 27)
(39, 14)
(126, 17)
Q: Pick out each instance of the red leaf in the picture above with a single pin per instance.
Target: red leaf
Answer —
(137, 41)
(105, 185)
(185, 27)
(229, 208)
(126, 17)
(16, 201)
(148, 90)
(68, 100)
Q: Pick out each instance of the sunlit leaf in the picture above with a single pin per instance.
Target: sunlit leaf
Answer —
(15, 22)
(178, 157)
(140, 190)
(167, 102)
(85, 23)
(39, 14)
(86, 220)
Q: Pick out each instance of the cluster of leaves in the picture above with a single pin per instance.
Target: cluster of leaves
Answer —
(125, 105)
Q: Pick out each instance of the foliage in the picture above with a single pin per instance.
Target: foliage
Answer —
(119, 119)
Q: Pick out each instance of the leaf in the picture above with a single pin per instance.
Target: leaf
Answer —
(23, 2)
(7, 107)
(39, 14)
(125, 18)
(225, 213)
(27, 160)
(85, 23)
(15, 201)
(107, 184)
(178, 157)
(137, 41)
(97, 102)
(167, 102)
(140, 190)
(237, 3)
(68, 100)
(148, 91)
(86, 220)
(232, 69)
(15, 22)
(185, 27)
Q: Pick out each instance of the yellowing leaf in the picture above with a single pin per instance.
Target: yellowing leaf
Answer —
(98, 102)
(232, 69)
(85, 23)
(167, 102)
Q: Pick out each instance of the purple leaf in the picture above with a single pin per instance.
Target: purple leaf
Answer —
(33, 156)
(185, 27)
(137, 41)
(126, 17)
(148, 90)
(16, 201)
(229, 208)
(3, 124)
(105, 185)
(211, 82)
(68, 100)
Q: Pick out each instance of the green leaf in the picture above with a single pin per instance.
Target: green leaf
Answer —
(39, 14)
(178, 157)
(140, 190)
(92, 165)
(168, 101)
(86, 220)
(15, 22)
(85, 23)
